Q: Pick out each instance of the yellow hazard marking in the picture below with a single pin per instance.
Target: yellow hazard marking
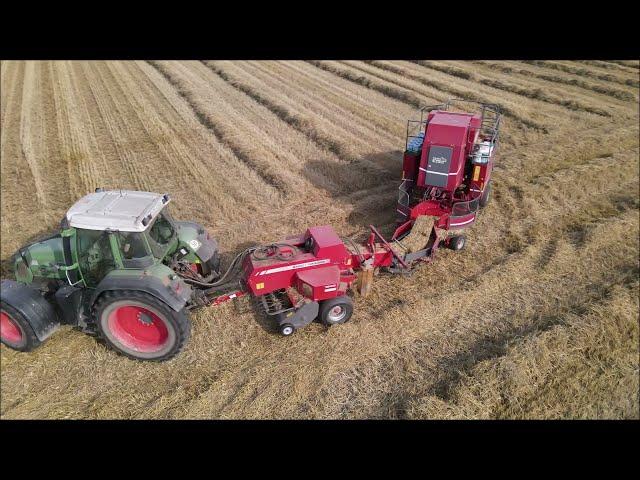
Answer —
(476, 173)
(259, 286)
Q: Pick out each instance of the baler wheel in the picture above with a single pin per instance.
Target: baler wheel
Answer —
(287, 329)
(15, 330)
(457, 243)
(141, 326)
(336, 311)
(486, 195)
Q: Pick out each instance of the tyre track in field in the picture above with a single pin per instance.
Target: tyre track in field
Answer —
(534, 93)
(220, 135)
(135, 150)
(386, 68)
(301, 124)
(439, 378)
(77, 146)
(17, 214)
(27, 130)
(50, 155)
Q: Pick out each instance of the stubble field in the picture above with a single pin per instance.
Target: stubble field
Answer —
(536, 318)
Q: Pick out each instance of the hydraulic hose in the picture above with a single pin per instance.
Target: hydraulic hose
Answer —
(222, 279)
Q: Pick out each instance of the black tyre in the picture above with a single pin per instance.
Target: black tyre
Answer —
(486, 195)
(287, 329)
(336, 311)
(457, 243)
(15, 330)
(141, 326)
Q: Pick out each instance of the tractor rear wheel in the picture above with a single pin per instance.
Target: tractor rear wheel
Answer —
(141, 326)
(15, 330)
(486, 195)
(336, 310)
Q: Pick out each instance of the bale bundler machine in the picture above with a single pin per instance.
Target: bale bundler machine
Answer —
(123, 269)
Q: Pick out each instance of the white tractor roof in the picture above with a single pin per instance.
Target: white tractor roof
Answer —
(122, 210)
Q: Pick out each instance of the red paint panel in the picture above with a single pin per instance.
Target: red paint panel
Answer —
(447, 129)
(324, 282)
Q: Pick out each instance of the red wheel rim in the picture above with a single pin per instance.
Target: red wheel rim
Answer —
(138, 328)
(9, 330)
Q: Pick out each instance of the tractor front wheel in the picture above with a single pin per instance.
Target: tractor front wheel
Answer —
(141, 326)
(336, 310)
(15, 330)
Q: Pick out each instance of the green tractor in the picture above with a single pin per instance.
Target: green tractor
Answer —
(116, 270)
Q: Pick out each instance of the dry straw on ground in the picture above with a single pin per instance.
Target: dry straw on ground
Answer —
(536, 318)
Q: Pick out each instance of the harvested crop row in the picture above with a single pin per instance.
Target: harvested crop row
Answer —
(583, 72)
(630, 67)
(505, 67)
(15, 173)
(561, 230)
(528, 85)
(382, 111)
(275, 148)
(270, 180)
(348, 104)
(464, 383)
(533, 88)
(580, 367)
(184, 152)
(507, 96)
(348, 140)
(402, 94)
(607, 69)
(246, 380)
(407, 76)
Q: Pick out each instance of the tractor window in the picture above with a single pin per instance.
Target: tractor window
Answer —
(94, 255)
(134, 250)
(161, 234)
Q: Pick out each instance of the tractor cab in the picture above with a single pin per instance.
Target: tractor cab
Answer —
(116, 230)
(120, 229)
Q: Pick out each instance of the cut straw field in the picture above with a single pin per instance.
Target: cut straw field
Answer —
(536, 318)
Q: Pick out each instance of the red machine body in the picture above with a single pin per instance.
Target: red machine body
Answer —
(317, 263)
(447, 167)
(446, 175)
